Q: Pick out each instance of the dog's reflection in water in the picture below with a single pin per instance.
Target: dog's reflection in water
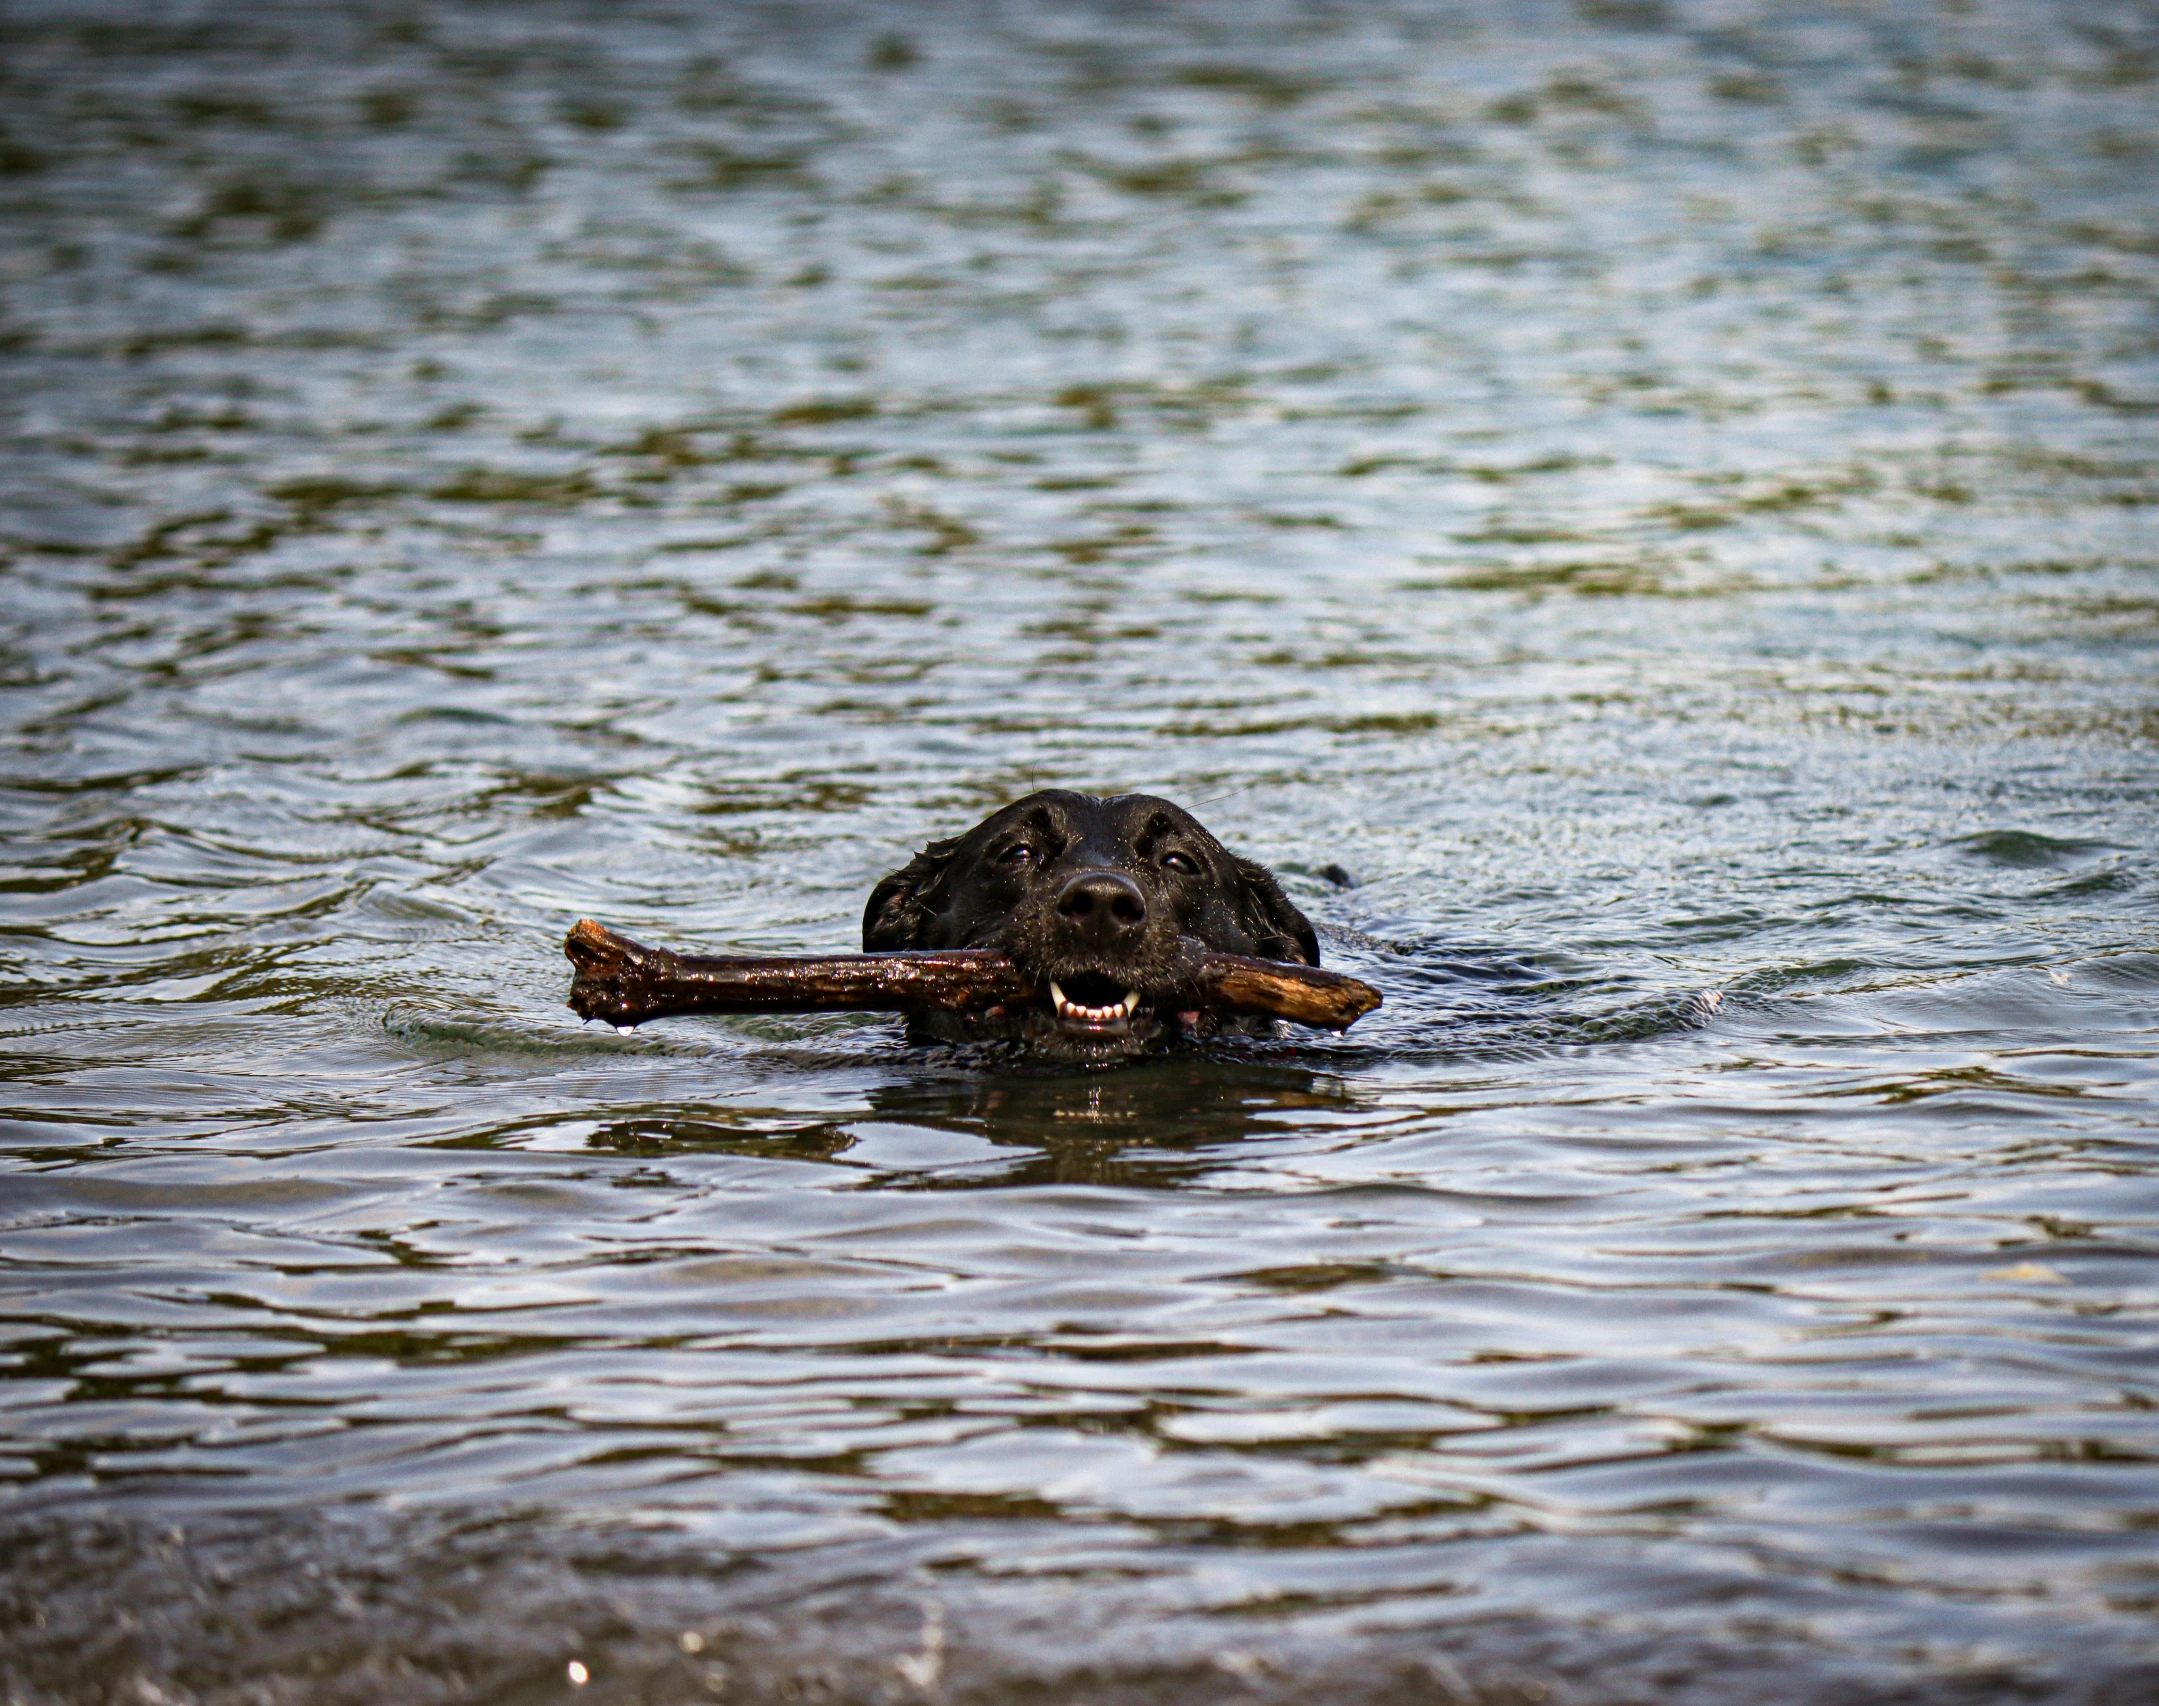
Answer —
(1153, 1123)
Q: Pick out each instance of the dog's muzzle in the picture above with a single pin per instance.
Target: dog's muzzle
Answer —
(1099, 915)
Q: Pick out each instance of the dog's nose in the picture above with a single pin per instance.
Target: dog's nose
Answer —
(1102, 907)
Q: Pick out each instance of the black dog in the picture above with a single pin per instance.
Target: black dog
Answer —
(1090, 896)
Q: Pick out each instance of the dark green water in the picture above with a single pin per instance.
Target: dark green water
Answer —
(1663, 494)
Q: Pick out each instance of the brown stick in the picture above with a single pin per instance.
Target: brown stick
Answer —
(626, 982)
(1284, 989)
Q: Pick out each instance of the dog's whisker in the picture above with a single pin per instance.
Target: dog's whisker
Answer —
(1225, 794)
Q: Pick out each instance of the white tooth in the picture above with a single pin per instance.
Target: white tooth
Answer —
(1069, 1009)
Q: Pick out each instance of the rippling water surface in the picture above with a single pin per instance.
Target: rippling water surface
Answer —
(1662, 494)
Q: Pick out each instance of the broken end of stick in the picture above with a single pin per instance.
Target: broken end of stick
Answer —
(1335, 1005)
(1356, 998)
(596, 950)
(606, 963)
(1305, 995)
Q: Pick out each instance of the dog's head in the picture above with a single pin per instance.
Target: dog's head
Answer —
(1091, 897)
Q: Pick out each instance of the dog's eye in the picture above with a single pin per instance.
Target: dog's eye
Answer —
(1182, 863)
(1017, 854)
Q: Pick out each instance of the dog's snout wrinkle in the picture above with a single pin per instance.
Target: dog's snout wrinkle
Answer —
(1102, 906)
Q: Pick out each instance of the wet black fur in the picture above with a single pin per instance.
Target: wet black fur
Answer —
(998, 886)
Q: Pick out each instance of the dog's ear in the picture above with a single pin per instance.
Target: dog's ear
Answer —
(899, 906)
(1282, 932)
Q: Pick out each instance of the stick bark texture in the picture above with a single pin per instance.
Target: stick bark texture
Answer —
(625, 982)
(1306, 995)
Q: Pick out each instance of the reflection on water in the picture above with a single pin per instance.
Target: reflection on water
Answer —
(1641, 513)
(1156, 1123)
